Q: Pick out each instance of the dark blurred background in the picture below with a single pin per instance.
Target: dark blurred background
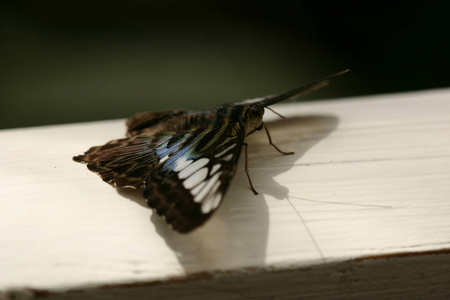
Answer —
(74, 61)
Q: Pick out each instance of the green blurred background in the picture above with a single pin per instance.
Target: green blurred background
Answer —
(74, 61)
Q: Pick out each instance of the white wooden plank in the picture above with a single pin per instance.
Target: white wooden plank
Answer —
(370, 177)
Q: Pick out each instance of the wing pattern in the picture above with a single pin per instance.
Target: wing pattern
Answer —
(184, 175)
(193, 175)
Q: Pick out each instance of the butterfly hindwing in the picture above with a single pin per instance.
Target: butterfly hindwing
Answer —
(155, 122)
(190, 183)
(124, 162)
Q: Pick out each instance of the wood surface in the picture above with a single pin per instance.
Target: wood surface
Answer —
(362, 209)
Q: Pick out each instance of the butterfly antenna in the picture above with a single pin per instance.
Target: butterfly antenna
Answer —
(301, 90)
(278, 114)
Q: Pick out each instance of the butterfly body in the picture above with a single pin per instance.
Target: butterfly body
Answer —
(184, 160)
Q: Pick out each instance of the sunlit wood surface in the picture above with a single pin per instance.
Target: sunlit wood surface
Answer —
(362, 209)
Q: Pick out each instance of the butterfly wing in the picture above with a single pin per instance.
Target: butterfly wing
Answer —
(188, 186)
(124, 162)
(162, 122)
(127, 162)
(155, 122)
(184, 175)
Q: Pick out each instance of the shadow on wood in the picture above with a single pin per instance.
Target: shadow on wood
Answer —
(236, 236)
(298, 134)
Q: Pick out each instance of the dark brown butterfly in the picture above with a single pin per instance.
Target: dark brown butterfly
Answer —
(184, 160)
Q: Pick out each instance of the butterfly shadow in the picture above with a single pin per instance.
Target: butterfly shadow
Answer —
(236, 236)
(297, 134)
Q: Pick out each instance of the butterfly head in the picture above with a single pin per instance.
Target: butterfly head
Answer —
(250, 112)
(253, 114)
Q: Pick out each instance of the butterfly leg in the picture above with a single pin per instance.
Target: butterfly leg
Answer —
(246, 170)
(271, 143)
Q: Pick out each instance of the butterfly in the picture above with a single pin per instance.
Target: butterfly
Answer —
(185, 160)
